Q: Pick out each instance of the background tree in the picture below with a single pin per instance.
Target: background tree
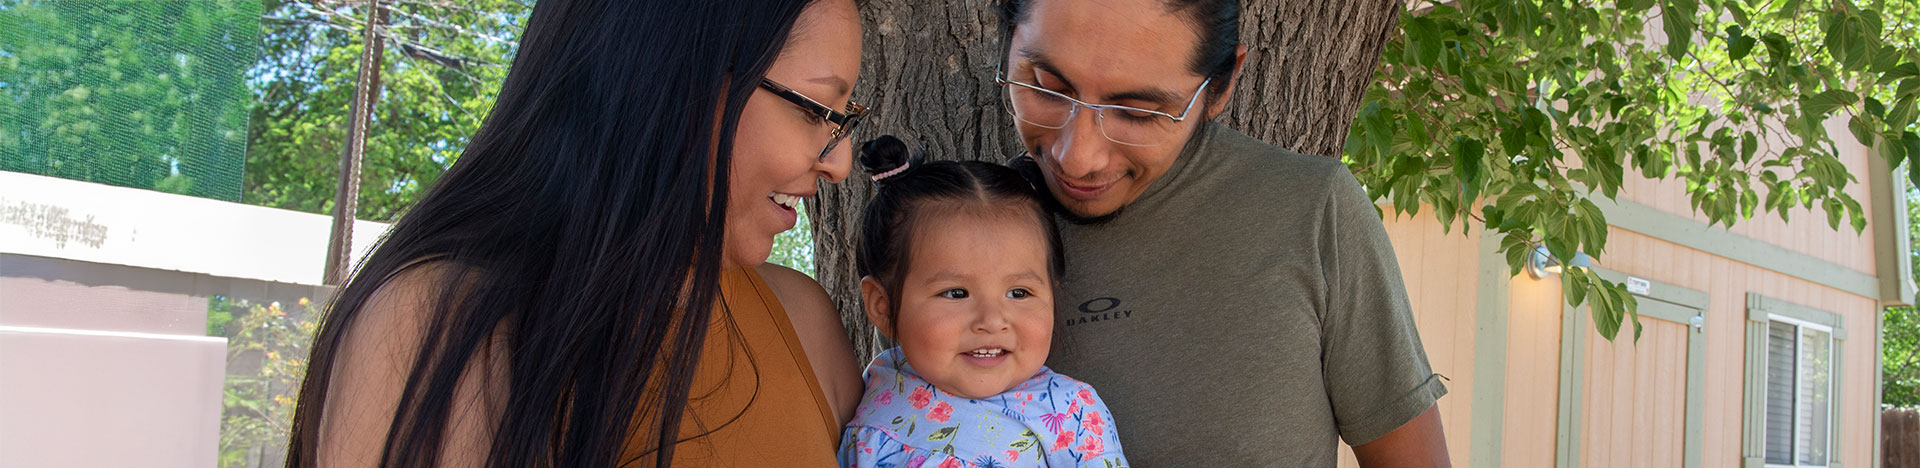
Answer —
(929, 70)
(1514, 114)
(136, 94)
(444, 60)
(1900, 334)
(1507, 115)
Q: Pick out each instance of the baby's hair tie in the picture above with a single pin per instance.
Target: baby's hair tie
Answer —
(891, 173)
(885, 152)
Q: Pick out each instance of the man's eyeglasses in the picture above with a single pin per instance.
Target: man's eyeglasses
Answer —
(843, 122)
(1125, 125)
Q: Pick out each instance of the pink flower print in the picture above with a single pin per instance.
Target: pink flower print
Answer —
(940, 413)
(1063, 441)
(920, 397)
(1090, 447)
(1086, 395)
(1013, 456)
(885, 398)
(1053, 421)
(916, 461)
(1073, 408)
(950, 463)
(1093, 423)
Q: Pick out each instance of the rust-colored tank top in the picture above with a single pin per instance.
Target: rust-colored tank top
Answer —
(754, 401)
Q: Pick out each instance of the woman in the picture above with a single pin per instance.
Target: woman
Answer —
(586, 286)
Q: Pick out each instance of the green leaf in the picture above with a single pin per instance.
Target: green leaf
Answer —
(1779, 51)
(1423, 41)
(1468, 154)
(1834, 212)
(1517, 256)
(1738, 43)
(1912, 142)
(1886, 59)
(1862, 131)
(1678, 17)
(1749, 145)
(1904, 70)
(1605, 320)
(1576, 290)
(1902, 113)
(1893, 151)
(1824, 103)
(1739, 14)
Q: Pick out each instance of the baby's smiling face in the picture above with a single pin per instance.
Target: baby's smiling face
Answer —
(976, 306)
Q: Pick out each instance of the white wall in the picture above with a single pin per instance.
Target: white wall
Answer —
(103, 304)
(51, 217)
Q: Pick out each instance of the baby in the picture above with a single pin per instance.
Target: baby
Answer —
(959, 261)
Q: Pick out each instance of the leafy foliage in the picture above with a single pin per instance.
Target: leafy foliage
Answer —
(1515, 114)
(1900, 332)
(794, 248)
(444, 63)
(257, 407)
(1900, 357)
(138, 94)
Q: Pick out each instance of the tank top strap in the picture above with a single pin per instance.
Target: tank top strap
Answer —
(783, 332)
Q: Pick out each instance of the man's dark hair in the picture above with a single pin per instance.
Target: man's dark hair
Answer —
(1216, 22)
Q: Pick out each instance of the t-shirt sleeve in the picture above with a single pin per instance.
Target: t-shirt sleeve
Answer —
(1376, 371)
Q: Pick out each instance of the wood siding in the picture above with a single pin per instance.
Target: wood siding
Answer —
(1805, 231)
(1727, 282)
(1533, 372)
(1636, 395)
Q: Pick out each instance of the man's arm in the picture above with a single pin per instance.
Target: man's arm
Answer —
(1418, 443)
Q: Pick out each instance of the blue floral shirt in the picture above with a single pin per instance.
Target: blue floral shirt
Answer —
(1049, 420)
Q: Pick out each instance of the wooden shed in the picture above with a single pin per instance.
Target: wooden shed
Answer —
(1760, 347)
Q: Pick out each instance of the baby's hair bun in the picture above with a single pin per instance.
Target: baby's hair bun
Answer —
(884, 156)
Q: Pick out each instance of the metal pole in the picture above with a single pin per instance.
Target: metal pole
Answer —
(347, 193)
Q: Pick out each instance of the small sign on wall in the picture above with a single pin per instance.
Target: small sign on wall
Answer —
(1638, 285)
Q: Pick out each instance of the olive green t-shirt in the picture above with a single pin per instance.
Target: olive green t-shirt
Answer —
(1246, 310)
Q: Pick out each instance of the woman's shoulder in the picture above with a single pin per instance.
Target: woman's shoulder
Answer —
(816, 323)
(792, 286)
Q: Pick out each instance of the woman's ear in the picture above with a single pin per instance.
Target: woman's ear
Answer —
(874, 297)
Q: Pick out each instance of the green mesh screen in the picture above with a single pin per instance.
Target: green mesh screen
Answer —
(145, 93)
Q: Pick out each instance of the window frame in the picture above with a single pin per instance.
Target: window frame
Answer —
(1833, 388)
(1762, 311)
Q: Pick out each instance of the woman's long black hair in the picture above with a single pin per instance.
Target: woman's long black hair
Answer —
(584, 223)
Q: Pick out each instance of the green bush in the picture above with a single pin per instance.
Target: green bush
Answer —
(257, 409)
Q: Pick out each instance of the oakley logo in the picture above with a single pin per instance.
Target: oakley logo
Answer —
(1099, 305)
(1098, 309)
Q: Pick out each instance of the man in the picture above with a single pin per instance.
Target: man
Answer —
(1235, 303)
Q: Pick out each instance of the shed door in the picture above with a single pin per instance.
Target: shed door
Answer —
(1635, 404)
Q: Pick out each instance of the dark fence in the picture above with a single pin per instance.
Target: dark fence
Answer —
(1900, 438)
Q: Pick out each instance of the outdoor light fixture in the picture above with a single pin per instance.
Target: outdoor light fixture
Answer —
(1543, 263)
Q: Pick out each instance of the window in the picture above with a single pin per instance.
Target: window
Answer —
(1799, 387)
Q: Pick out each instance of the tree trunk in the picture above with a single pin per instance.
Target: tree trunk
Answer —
(928, 70)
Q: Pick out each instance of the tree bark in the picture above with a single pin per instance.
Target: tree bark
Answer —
(928, 70)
